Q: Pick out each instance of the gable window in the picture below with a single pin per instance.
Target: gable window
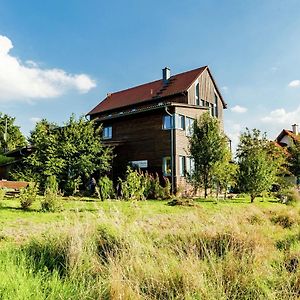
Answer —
(202, 102)
(212, 109)
(189, 123)
(167, 122)
(216, 106)
(166, 166)
(197, 92)
(107, 132)
(182, 168)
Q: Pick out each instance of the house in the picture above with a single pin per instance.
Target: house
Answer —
(149, 125)
(286, 139)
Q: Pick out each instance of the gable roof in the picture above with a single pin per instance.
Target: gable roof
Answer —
(150, 91)
(289, 133)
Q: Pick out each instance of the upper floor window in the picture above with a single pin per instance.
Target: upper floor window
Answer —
(179, 122)
(190, 165)
(167, 122)
(189, 123)
(107, 132)
(197, 93)
(202, 102)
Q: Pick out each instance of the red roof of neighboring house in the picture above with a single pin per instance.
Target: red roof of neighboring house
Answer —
(149, 91)
(285, 132)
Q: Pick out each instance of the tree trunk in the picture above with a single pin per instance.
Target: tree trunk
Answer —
(252, 198)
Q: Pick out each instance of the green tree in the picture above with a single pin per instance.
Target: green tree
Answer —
(208, 147)
(260, 163)
(10, 134)
(69, 152)
(294, 160)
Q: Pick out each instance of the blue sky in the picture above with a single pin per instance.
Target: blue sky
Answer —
(59, 57)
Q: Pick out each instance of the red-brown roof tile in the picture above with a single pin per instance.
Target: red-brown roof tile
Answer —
(145, 92)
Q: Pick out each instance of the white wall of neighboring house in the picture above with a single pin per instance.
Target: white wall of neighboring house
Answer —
(287, 140)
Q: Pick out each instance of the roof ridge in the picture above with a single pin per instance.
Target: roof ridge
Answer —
(157, 80)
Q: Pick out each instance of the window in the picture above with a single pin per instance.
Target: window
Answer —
(179, 122)
(182, 168)
(190, 165)
(212, 109)
(167, 122)
(166, 166)
(197, 92)
(189, 123)
(216, 106)
(202, 102)
(107, 132)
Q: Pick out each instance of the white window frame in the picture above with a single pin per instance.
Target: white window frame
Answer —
(166, 171)
(107, 133)
(169, 125)
(189, 124)
(182, 165)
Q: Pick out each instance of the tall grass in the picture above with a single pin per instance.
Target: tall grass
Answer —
(240, 255)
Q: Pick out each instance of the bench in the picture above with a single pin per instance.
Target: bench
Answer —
(13, 187)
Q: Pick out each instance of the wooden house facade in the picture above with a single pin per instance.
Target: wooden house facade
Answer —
(149, 125)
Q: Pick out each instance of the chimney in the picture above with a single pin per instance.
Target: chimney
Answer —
(166, 75)
(295, 129)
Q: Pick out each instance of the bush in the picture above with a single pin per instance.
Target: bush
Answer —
(105, 188)
(28, 195)
(50, 201)
(2, 194)
(289, 196)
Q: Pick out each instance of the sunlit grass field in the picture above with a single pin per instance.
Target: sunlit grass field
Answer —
(226, 249)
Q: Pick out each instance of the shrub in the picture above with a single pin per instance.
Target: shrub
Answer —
(50, 201)
(28, 195)
(2, 195)
(105, 188)
(288, 196)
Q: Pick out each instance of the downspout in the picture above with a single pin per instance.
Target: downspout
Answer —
(172, 149)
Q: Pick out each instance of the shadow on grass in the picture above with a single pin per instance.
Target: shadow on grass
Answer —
(19, 209)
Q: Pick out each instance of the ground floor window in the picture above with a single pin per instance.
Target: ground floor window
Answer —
(182, 167)
(166, 167)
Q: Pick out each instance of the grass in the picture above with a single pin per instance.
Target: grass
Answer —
(148, 250)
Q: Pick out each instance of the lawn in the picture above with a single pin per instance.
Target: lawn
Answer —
(229, 249)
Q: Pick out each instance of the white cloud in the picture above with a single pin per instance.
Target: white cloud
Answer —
(25, 81)
(282, 116)
(239, 109)
(294, 83)
(34, 120)
(233, 131)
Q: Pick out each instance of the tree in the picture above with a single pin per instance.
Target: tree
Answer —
(10, 134)
(208, 147)
(260, 162)
(294, 159)
(72, 153)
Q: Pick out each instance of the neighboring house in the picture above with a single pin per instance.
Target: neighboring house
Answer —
(287, 137)
(285, 140)
(149, 125)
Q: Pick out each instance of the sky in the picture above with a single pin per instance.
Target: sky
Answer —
(63, 57)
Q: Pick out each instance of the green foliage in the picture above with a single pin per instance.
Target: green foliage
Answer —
(208, 147)
(4, 159)
(50, 201)
(105, 188)
(70, 152)
(13, 138)
(141, 186)
(2, 195)
(294, 159)
(259, 162)
(28, 195)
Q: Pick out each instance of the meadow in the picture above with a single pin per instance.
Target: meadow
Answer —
(229, 249)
